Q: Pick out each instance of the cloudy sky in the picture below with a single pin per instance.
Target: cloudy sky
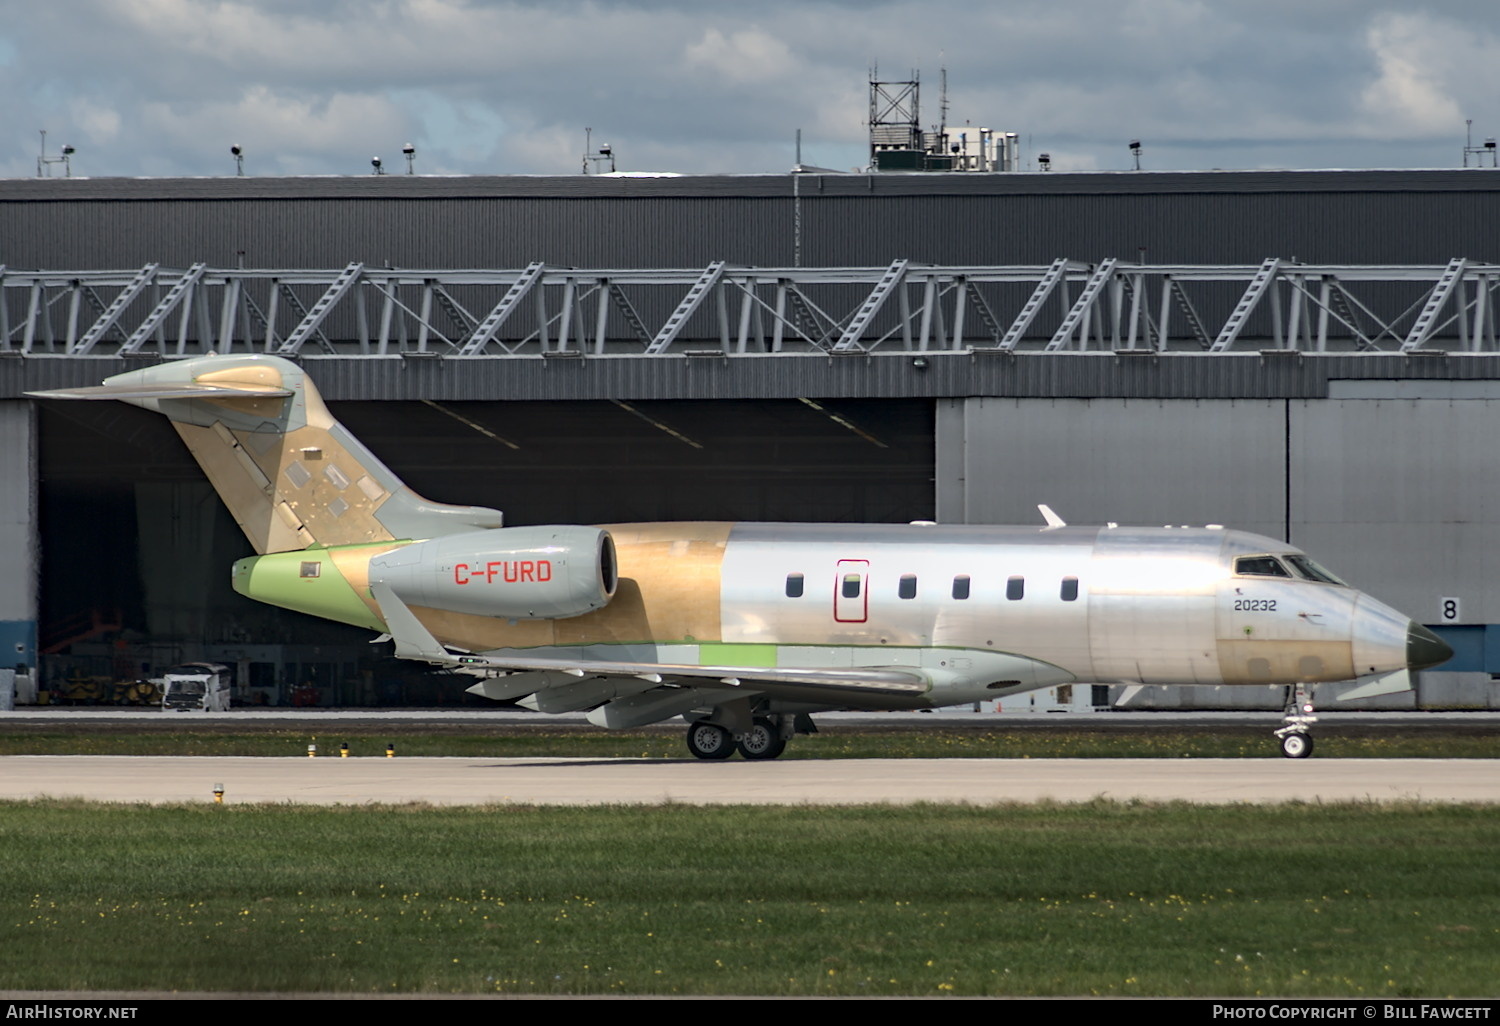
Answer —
(165, 87)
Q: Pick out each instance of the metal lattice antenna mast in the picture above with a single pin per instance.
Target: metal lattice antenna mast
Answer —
(894, 115)
(943, 102)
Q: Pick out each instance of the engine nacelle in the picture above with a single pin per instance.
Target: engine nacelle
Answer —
(519, 573)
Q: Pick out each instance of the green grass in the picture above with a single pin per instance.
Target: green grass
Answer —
(1104, 898)
(1051, 742)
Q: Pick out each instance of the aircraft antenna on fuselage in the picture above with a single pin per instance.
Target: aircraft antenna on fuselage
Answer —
(1053, 520)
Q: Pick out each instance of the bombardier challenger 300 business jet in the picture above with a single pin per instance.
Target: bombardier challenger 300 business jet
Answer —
(747, 629)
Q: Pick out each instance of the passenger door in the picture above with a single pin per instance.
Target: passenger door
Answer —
(851, 600)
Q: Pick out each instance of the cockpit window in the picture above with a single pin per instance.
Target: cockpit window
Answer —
(1260, 566)
(1310, 570)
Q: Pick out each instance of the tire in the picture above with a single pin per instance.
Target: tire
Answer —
(762, 741)
(709, 741)
(1297, 746)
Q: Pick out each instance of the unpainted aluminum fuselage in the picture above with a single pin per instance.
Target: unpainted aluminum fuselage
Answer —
(976, 611)
(1142, 605)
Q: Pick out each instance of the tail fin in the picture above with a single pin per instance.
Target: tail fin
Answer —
(292, 475)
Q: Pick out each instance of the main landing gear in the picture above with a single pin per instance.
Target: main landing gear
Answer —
(763, 740)
(1296, 740)
(709, 741)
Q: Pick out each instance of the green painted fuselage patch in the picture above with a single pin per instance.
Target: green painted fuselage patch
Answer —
(307, 581)
(711, 654)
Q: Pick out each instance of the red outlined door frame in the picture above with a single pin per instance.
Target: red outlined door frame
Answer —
(852, 609)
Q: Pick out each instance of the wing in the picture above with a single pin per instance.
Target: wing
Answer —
(629, 693)
(624, 694)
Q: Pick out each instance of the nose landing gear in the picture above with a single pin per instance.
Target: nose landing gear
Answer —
(1296, 739)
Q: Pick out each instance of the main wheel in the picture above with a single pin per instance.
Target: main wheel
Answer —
(1297, 746)
(710, 741)
(762, 741)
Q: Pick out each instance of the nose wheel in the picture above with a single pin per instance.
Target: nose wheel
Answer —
(1297, 746)
(1295, 735)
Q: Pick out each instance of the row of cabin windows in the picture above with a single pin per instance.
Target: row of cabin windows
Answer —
(906, 587)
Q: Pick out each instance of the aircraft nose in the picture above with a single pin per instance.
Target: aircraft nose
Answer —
(1424, 648)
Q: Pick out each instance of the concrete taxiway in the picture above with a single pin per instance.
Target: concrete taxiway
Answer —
(480, 719)
(561, 781)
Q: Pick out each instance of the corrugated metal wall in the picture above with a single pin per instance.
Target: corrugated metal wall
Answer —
(1400, 495)
(18, 548)
(1231, 217)
(1132, 461)
(1405, 493)
(853, 220)
(885, 375)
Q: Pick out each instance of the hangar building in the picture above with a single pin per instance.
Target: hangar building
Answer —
(1307, 354)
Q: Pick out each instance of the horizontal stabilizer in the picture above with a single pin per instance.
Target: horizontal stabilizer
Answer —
(166, 391)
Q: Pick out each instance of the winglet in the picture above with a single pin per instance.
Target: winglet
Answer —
(1053, 520)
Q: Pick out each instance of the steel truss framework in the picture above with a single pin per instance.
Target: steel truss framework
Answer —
(544, 310)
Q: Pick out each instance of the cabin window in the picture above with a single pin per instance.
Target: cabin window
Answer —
(1070, 589)
(907, 589)
(1260, 566)
(961, 586)
(851, 585)
(311, 570)
(1015, 588)
(794, 585)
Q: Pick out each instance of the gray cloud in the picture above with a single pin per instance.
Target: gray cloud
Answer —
(163, 87)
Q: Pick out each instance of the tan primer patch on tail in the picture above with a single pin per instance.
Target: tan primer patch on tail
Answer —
(289, 491)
